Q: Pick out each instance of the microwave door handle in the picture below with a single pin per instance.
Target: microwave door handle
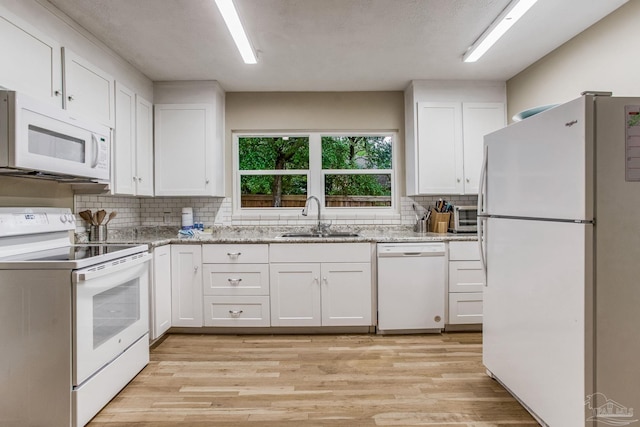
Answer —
(96, 148)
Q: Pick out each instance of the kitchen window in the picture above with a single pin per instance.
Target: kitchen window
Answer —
(350, 173)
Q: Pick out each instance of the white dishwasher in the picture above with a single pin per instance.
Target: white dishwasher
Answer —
(411, 287)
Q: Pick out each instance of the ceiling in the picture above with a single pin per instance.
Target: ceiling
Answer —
(329, 45)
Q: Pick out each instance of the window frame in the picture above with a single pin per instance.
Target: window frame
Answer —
(316, 177)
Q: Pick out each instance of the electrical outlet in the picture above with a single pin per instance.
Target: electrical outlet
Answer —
(166, 217)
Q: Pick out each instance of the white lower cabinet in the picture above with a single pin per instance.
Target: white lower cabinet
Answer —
(236, 311)
(160, 309)
(186, 285)
(236, 285)
(321, 284)
(466, 283)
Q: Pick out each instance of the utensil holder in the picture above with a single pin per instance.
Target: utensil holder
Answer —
(97, 233)
(421, 226)
(437, 217)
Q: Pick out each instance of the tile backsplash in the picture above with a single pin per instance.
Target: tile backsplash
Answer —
(167, 211)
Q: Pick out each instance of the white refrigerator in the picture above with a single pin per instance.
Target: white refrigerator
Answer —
(559, 224)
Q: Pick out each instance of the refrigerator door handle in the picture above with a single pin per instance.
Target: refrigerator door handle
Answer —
(482, 246)
(482, 185)
(481, 196)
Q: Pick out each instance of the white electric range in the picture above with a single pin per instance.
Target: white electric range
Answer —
(73, 319)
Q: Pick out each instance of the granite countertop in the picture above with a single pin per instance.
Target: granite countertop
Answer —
(158, 236)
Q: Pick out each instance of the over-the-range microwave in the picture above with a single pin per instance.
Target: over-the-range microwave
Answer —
(43, 141)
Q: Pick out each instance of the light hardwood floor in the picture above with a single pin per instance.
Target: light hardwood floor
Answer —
(315, 380)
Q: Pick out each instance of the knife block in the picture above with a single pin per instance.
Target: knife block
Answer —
(437, 217)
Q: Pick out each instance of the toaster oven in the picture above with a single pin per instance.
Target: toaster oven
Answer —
(464, 219)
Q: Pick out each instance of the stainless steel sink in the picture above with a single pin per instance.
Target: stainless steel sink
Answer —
(318, 235)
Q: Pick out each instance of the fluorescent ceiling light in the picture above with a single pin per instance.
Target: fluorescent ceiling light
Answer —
(230, 15)
(501, 25)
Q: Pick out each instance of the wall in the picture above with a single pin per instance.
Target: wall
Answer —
(602, 58)
(269, 111)
(32, 193)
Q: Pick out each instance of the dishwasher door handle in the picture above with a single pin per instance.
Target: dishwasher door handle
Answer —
(410, 254)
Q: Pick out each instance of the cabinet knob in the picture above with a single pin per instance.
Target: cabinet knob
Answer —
(139, 179)
(195, 269)
(206, 181)
(57, 93)
(458, 180)
(70, 98)
(324, 279)
(468, 179)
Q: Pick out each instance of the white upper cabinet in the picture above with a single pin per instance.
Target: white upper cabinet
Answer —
(89, 91)
(32, 62)
(124, 141)
(439, 151)
(189, 135)
(144, 147)
(479, 119)
(133, 144)
(445, 125)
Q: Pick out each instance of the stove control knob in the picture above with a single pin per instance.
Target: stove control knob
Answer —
(71, 218)
(63, 218)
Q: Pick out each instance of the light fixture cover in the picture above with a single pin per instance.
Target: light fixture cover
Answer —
(509, 16)
(231, 18)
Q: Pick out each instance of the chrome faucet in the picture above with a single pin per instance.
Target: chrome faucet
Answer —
(322, 228)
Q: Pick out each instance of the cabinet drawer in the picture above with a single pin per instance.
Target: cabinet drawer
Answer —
(235, 254)
(236, 279)
(236, 311)
(466, 276)
(465, 308)
(464, 251)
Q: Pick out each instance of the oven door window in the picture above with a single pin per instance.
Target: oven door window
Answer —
(468, 217)
(114, 310)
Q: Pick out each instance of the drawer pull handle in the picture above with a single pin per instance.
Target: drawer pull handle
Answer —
(234, 254)
(234, 281)
(235, 313)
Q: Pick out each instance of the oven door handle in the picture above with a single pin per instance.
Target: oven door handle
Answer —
(89, 274)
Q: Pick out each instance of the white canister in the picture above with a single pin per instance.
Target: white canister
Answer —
(187, 218)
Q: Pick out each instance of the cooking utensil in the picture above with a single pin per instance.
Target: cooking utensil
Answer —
(94, 219)
(100, 216)
(86, 215)
(111, 216)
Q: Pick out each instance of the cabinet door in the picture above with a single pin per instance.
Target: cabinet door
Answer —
(88, 90)
(144, 147)
(465, 308)
(184, 136)
(33, 62)
(161, 292)
(295, 294)
(346, 294)
(466, 276)
(186, 285)
(124, 176)
(479, 119)
(439, 141)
